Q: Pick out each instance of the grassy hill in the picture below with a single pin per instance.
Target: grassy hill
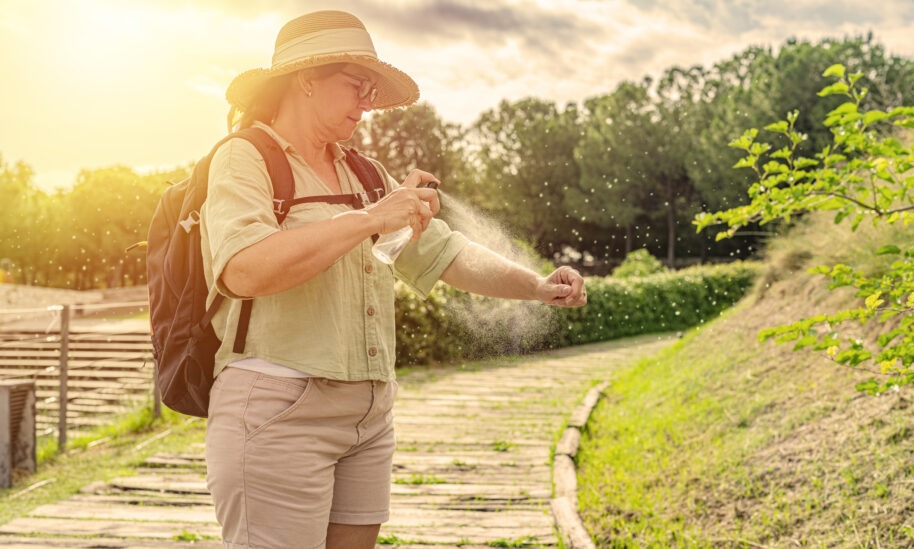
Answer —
(725, 441)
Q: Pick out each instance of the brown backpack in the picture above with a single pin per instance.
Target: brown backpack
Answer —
(184, 342)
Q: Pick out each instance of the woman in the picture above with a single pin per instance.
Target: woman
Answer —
(300, 437)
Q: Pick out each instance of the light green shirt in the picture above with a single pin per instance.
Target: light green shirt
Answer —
(339, 324)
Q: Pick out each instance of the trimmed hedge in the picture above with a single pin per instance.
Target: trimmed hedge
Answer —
(453, 325)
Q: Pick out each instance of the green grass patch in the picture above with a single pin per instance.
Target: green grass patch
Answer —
(417, 479)
(502, 446)
(513, 542)
(391, 539)
(722, 441)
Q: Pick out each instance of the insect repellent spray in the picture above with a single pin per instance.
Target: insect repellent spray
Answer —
(389, 245)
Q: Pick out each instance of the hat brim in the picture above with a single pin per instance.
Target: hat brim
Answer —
(395, 87)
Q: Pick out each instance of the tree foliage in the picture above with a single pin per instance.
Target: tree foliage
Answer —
(864, 173)
(414, 137)
(524, 154)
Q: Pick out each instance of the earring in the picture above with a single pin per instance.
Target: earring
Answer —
(308, 92)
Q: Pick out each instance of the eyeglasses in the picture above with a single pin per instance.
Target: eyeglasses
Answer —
(367, 90)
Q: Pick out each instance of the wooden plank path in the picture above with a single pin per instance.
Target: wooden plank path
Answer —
(472, 467)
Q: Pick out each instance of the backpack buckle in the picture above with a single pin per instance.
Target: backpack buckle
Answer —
(363, 199)
(279, 206)
(193, 218)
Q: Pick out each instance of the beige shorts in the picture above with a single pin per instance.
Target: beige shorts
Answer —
(287, 456)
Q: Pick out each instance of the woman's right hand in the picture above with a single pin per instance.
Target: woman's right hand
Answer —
(407, 205)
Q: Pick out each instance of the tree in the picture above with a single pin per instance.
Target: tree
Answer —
(611, 158)
(414, 137)
(24, 225)
(108, 210)
(524, 153)
(631, 158)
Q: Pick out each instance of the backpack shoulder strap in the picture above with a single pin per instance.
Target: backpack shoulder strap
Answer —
(366, 172)
(278, 167)
(283, 182)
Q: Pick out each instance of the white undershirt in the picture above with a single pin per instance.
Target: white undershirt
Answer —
(269, 368)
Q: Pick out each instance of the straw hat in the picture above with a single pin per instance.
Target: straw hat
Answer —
(321, 38)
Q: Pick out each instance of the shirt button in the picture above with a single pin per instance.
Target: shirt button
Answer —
(370, 311)
(369, 268)
(372, 351)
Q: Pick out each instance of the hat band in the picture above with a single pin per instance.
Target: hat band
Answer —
(337, 41)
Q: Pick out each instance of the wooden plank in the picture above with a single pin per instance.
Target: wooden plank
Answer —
(159, 484)
(520, 493)
(484, 536)
(49, 378)
(97, 542)
(109, 528)
(568, 444)
(569, 524)
(83, 509)
(565, 477)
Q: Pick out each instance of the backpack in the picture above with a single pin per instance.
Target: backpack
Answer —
(183, 339)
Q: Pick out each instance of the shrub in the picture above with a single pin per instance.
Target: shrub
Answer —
(639, 263)
(452, 325)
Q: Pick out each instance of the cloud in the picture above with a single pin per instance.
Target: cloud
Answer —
(540, 31)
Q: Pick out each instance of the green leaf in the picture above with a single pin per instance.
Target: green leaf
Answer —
(874, 301)
(746, 162)
(836, 70)
(802, 163)
(888, 249)
(781, 126)
(838, 88)
(806, 341)
(759, 149)
(844, 108)
(874, 116)
(870, 387)
(784, 153)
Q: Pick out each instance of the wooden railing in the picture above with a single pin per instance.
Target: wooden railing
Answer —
(84, 376)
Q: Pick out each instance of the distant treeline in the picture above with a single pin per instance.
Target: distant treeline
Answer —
(625, 170)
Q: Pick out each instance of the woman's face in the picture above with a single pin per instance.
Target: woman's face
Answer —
(341, 99)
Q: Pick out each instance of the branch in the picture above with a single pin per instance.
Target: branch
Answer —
(849, 199)
(898, 210)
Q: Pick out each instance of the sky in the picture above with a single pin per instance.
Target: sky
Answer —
(86, 84)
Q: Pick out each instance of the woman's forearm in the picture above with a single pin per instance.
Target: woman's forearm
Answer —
(478, 270)
(288, 258)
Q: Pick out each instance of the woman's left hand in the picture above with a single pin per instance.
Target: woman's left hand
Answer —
(563, 288)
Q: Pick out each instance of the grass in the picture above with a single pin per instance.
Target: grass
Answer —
(725, 441)
(513, 542)
(418, 479)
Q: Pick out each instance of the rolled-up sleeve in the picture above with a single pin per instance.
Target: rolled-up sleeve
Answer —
(238, 211)
(421, 263)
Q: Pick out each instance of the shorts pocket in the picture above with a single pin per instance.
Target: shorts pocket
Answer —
(270, 400)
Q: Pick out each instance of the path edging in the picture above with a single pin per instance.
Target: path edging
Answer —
(565, 477)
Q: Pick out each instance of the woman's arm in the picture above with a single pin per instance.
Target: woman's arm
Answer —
(478, 270)
(286, 259)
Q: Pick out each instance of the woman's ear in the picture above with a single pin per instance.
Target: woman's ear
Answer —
(304, 83)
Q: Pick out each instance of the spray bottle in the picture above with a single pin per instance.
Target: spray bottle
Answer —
(389, 245)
